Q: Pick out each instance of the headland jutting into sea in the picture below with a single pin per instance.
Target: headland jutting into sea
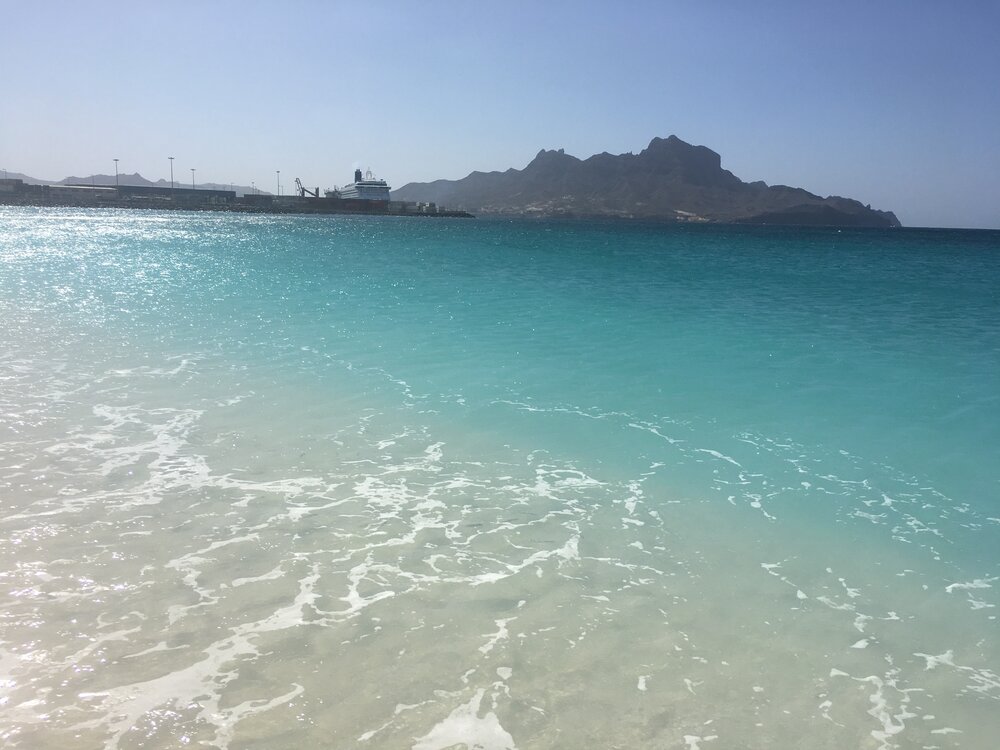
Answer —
(364, 196)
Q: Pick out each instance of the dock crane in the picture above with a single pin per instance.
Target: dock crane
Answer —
(303, 192)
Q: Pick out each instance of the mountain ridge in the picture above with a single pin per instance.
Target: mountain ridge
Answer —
(668, 180)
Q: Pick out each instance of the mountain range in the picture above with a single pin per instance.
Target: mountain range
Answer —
(669, 180)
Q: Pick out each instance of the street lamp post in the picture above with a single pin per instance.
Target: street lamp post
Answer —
(192, 179)
(116, 172)
(171, 173)
(278, 171)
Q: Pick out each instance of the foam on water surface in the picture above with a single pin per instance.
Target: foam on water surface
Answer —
(294, 482)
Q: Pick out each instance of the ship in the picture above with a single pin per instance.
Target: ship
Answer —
(365, 188)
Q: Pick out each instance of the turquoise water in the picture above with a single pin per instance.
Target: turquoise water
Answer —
(285, 482)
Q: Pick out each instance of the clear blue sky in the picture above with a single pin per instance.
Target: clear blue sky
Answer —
(895, 103)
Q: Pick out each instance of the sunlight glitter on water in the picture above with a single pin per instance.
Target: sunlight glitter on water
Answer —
(338, 484)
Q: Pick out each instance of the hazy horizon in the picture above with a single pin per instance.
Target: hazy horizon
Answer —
(894, 105)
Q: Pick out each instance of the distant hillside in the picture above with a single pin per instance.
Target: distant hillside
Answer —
(138, 179)
(109, 179)
(132, 179)
(670, 180)
(26, 179)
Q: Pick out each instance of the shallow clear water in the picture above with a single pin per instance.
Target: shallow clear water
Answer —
(272, 482)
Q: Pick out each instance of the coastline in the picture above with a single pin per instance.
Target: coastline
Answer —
(15, 192)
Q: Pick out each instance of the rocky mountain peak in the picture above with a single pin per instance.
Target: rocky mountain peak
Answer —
(668, 180)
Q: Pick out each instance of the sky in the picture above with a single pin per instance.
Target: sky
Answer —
(895, 103)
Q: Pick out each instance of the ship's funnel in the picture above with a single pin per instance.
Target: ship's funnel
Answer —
(357, 175)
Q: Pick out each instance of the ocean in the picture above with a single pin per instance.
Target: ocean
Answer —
(362, 482)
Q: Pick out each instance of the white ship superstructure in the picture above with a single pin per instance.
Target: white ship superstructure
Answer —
(365, 188)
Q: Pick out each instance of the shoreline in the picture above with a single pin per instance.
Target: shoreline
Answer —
(244, 208)
(15, 192)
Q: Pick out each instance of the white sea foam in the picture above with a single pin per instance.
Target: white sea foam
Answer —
(464, 726)
(979, 583)
(500, 635)
(891, 721)
(200, 683)
(720, 456)
(693, 741)
(398, 526)
(935, 661)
